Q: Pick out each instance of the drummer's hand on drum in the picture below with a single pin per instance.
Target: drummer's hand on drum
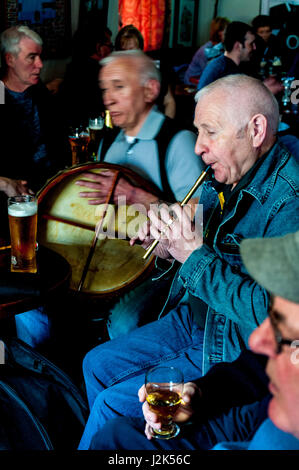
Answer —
(124, 192)
(178, 235)
(13, 187)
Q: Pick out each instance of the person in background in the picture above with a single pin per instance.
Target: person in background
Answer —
(30, 118)
(267, 45)
(37, 140)
(239, 44)
(129, 38)
(79, 92)
(214, 421)
(210, 50)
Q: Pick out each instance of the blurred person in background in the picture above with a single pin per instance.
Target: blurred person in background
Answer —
(211, 49)
(129, 38)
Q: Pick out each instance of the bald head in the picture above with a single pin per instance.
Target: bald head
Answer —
(140, 63)
(244, 98)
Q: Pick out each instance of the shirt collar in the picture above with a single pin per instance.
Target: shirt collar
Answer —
(150, 127)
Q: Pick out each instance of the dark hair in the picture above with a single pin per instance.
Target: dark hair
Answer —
(217, 25)
(260, 21)
(86, 39)
(127, 32)
(235, 32)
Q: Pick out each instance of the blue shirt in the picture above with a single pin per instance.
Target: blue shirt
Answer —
(217, 68)
(24, 103)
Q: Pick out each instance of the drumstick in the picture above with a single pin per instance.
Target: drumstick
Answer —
(98, 229)
(68, 222)
(188, 196)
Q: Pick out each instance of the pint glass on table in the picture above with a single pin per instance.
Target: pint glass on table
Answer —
(22, 214)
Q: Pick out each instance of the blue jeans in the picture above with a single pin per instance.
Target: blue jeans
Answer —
(238, 424)
(138, 306)
(115, 370)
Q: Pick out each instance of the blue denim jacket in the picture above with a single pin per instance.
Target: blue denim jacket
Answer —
(267, 207)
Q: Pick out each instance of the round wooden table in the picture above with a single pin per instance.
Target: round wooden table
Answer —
(20, 292)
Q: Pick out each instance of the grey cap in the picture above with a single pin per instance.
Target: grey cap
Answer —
(274, 264)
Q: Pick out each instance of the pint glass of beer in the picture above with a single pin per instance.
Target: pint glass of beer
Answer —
(22, 215)
(95, 129)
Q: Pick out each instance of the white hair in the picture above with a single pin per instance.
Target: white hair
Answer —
(249, 95)
(11, 37)
(146, 66)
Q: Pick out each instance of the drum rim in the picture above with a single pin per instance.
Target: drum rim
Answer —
(67, 172)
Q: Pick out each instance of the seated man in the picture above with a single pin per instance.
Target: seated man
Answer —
(213, 305)
(151, 145)
(37, 142)
(210, 50)
(272, 423)
(268, 46)
(30, 118)
(239, 45)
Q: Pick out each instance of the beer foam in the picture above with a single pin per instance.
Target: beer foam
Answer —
(96, 127)
(22, 209)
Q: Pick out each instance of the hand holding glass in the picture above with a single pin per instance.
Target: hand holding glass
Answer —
(164, 388)
(22, 214)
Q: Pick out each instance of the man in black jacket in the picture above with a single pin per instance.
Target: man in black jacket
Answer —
(30, 125)
(230, 407)
(36, 143)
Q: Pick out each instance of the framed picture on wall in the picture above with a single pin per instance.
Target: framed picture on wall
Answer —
(51, 20)
(185, 22)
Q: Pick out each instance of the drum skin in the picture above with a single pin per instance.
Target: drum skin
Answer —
(66, 224)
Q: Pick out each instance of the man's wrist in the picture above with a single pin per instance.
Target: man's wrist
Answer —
(3, 183)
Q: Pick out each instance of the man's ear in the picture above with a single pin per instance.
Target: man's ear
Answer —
(257, 129)
(151, 90)
(238, 46)
(9, 58)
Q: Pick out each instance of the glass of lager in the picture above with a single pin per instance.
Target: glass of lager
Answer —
(164, 387)
(22, 215)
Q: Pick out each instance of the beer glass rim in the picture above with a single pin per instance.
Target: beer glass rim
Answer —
(158, 368)
(21, 198)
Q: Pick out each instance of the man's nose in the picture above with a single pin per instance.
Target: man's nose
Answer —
(38, 62)
(200, 145)
(108, 97)
(262, 340)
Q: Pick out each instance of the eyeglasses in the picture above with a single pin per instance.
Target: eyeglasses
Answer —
(280, 341)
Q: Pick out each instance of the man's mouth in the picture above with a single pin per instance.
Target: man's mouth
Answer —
(114, 114)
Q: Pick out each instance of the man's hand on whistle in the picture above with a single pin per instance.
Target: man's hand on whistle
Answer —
(173, 227)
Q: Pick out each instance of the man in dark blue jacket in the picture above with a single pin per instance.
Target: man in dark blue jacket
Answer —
(271, 423)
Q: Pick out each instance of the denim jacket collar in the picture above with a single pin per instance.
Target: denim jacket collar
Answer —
(263, 182)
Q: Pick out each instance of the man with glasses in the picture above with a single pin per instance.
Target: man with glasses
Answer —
(271, 423)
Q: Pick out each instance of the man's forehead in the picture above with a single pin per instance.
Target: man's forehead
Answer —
(212, 104)
(28, 45)
(121, 67)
